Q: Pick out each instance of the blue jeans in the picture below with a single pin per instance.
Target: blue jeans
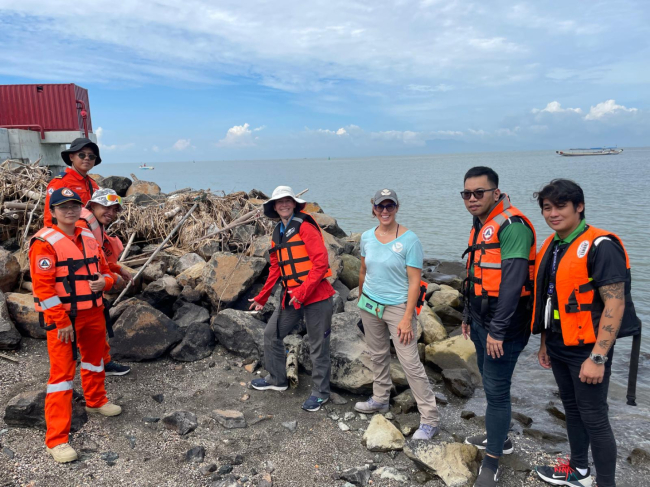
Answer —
(497, 378)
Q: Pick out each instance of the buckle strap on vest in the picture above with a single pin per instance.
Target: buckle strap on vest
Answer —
(76, 299)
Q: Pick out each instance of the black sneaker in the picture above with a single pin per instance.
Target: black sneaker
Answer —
(314, 403)
(262, 385)
(480, 442)
(113, 368)
(487, 477)
(563, 474)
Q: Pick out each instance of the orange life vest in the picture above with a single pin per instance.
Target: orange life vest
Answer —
(484, 251)
(112, 246)
(291, 251)
(74, 271)
(579, 307)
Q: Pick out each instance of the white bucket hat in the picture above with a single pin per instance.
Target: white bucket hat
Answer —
(279, 193)
(105, 197)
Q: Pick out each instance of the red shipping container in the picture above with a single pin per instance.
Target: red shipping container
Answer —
(55, 107)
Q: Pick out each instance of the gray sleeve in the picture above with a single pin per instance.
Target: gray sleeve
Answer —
(514, 273)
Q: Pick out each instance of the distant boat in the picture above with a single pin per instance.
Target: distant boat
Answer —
(593, 151)
(144, 166)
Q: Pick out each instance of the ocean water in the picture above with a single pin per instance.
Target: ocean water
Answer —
(428, 187)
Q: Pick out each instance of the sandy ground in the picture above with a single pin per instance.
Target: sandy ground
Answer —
(151, 455)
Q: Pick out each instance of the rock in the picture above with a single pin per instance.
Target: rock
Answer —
(351, 365)
(357, 475)
(467, 414)
(265, 480)
(639, 458)
(390, 473)
(242, 234)
(224, 469)
(229, 418)
(553, 410)
(24, 316)
(239, 332)
(397, 374)
(143, 333)
(449, 297)
(405, 402)
(343, 426)
(336, 399)
(431, 288)
(159, 398)
(110, 458)
(191, 276)
(522, 418)
(350, 273)
(349, 416)
(459, 382)
(195, 455)
(440, 278)
(151, 419)
(338, 303)
(231, 481)
(142, 187)
(162, 294)
(257, 194)
(27, 410)
(227, 276)
(186, 261)
(329, 224)
(334, 251)
(382, 435)
(432, 327)
(260, 247)
(154, 271)
(183, 422)
(190, 313)
(208, 469)
(291, 425)
(208, 248)
(389, 416)
(455, 463)
(197, 343)
(118, 184)
(519, 462)
(9, 336)
(88, 445)
(351, 306)
(145, 200)
(449, 316)
(545, 435)
(354, 294)
(342, 289)
(454, 353)
(9, 271)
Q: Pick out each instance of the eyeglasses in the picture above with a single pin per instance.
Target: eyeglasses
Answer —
(478, 194)
(114, 197)
(390, 207)
(69, 208)
(84, 155)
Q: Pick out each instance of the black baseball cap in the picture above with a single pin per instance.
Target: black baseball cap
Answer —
(76, 146)
(63, 195)
(383, 195)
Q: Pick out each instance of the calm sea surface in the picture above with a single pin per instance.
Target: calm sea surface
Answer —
(615, 187)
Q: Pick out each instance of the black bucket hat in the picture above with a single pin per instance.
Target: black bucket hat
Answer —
(76, 146)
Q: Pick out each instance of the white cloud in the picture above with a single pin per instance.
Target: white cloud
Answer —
(429, 89)
(99, 132)
(181, 144)
(240, 136)
(356, 134)
(606, 109)
(155, 148)
(556, 107)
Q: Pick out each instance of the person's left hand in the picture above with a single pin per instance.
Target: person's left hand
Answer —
(99, 284)
(494, 347)
(591, 372)
(126, 275)
(405, 331)
(293, 299)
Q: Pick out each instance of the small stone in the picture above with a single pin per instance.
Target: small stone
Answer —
(251, 367)
(208, 469)
(334, 417)
(8, 452)
(363, 416)
(382, 435)
(225, 469)
(150, 419)
(553, 410)
(237, 460)
(467, 414)
(337, 399)
(349, 416)
(390, 473)
(357, 476)
(131, 441)
(639, 458)
(88, 445)
(343, 427)
(245, 397)
(389, 416)
(229, 418)
(522, 418)
(291, 425)
(544, 435)
(195, 455)
(159, 398)
(225, 367)
(181, 421)
(110, 458)
(266, 480)
(213, 363)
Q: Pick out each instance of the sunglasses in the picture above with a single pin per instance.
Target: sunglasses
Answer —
(390, 207)
(84, 155)
(478, 194)
(114, 197)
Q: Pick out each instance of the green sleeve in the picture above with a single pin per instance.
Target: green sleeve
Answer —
(516, 240)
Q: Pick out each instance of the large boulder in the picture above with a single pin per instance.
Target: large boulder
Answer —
(186, 261)
(27, 410)
(350, 273)
(190, 313)
(119, 184)
(260, 247)
(9, 271)
(143, 200)
(450, 317)
(24, 316)
(351, 365)
(454, 463)
(143, 333)
(446, 296)
(454, 353)
(9, 335)
(191, 276)
(162, 294)
(405, 402)
(239, 332)
(432, 327)
(334, 251)
(459, 382)
(227, 276)
(329, 224)
(342, 289)
(197, 343)
(382, 435)
(142, 187)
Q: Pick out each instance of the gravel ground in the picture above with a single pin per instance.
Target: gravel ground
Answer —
(151, 455)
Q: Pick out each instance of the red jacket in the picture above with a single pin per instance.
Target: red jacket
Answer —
(314, 288)
(69, 179)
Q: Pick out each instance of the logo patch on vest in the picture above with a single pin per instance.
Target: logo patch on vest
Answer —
(488, 232)
(44, 264)
(397, 247)
(50, 191)
(583, 248)
(290, 232)
(92, 244)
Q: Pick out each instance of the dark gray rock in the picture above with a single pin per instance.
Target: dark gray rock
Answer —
(227, 276)
(162, 294)
(185, 262)
(350, 273)
(225, 469)
(131, 440)
(450, 317)
(459, 382)
(110, 458)
(190, 313)
(553, 410)
(342, 289)
(239, 332)
(8, 452)
(207, 248)
(405, 402)
(522, 418)
(639, 458)
(151, 419)
(208, 469)
(118, 184)
(197, 343)
(338, 303)
(545, 435)
(159, 398)
(182, 422)
(329, 225)
(144, 200)
(195, 455)
(357, 475)
(467, 414)
(27, 410)
(291, 425)
(9, 336)
(229, 418)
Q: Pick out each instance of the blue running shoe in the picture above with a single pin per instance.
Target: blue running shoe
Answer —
(113, 368)
(262, 385)
(314, 403)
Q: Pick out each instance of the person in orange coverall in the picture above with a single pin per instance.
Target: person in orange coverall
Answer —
(69, 273)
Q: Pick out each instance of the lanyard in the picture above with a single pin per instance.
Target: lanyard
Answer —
(283, 228)
(551, 284)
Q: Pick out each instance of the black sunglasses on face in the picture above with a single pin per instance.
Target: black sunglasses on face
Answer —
(478, 194)
(390, 207)
(83, 155)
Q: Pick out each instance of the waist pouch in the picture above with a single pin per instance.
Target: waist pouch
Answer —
(371, 306)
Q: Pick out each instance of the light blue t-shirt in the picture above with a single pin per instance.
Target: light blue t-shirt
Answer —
(386, 278)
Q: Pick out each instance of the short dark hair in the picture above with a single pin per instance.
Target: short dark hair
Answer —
(479, 171)
(560, 192)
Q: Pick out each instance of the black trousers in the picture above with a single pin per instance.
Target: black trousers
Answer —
(587, 420)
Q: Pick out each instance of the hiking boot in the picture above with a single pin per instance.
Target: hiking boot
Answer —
(113, 368)
(480, 442)
(487, 477)
(314, 403)
(371, 406)
(108, 409)
(63, 453)
(563, 474)
(426, 432)
(262, 385)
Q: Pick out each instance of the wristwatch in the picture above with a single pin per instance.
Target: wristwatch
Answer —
(598, 358)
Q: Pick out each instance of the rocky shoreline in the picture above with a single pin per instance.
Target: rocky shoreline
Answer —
(190, 416)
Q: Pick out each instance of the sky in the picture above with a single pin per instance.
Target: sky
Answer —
(204, 80)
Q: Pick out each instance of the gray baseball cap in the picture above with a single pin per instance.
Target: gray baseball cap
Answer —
(383, 195)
